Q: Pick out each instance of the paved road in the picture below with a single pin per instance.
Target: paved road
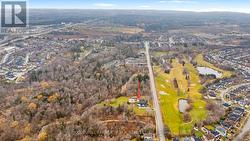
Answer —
(34, 35)
(226, 91)
(158, 116)
(246, 127)
(244, 130)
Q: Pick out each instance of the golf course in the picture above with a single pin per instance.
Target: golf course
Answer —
(170, 95)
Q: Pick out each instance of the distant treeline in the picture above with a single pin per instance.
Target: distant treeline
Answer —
(149, 20)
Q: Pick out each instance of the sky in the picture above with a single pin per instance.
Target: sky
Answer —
(179, 5)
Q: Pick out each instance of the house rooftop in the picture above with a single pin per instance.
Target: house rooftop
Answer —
(209, 137)
(227, 124)
(148, 137)
(175, 139)
(221, 130)
(215, 133)
(239, 109)
(226, 105)
(233, 117)
(197, 139)
(142, 103)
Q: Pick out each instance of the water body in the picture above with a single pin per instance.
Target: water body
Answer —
(183, 105)
(208, 71)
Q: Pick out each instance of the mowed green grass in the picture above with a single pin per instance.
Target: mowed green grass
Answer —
(201, 62)
(117, 102)
(122, 101)
(169, 101)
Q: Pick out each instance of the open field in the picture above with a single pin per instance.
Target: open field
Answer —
(201, 62)
(159, 53)
(162, 53)
(110, 29)
(122, 101)
(126, 30)
(169, 101)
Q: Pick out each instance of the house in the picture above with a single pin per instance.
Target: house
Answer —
(197, 139)
(227, 124)
(10, 76)
(239, 111)
(233, 117)
(212, 95)
(242, 103)
(132, 100)
(226, 105)
(208, 137)
(175, 139)
(222, 131)
(215, 133)
(205, 130)
(142, 103)
(247, 104)
(148, 137)
(189, 139)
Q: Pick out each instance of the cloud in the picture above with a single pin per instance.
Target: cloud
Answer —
(104, 5)
(163, 1)
(176, 1)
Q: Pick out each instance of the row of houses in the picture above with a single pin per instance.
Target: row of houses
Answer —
(189, 139)
(240, 96)
(226, 126)
(220, 84)
(232, 119)
(234, 58)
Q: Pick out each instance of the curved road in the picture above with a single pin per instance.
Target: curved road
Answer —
(158, 116)
(246, 127)
(244, 130)
(224, 92)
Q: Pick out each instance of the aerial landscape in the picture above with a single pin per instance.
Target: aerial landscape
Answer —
(121, 75)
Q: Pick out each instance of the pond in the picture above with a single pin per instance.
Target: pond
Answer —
(208, 71)
(183, 105)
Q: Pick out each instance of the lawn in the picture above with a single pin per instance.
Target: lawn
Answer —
(116, 102)
(201, 62)
(122, 101)
(169, 101)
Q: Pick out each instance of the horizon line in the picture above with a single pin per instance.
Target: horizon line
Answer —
(120, 9)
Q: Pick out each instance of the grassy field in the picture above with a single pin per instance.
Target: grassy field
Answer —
(122, 101)
(161, 53)
(125, 30)
(169, 97)
(201, 62)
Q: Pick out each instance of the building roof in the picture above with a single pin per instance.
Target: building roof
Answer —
(226, 105)
(215, 133)
(221, 130)
(197, 139)
(175, 139)
(148, 137)
(239, 109)
(227, 124)
(233, 117)
(143, 101)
